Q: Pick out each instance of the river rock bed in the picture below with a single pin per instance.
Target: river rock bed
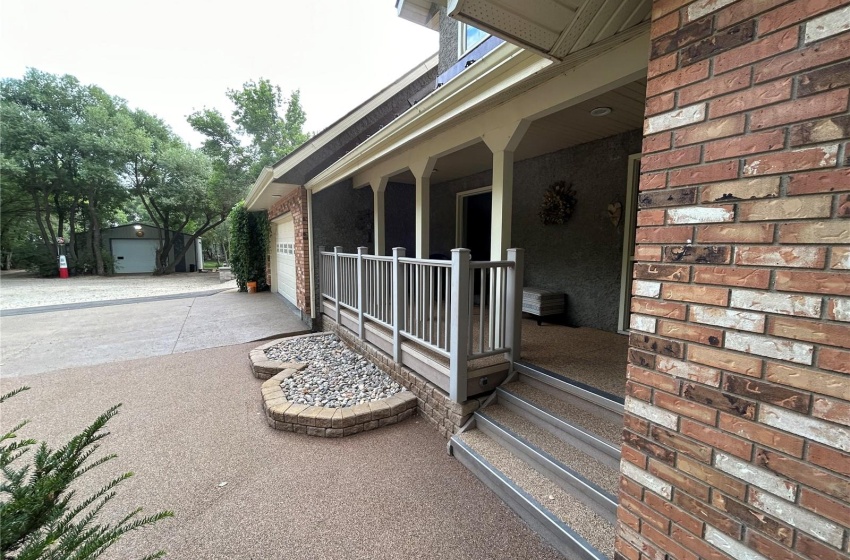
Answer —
(335, 377)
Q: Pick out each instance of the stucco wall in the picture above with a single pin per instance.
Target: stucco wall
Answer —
(342, 216)
(448, 42)
(581, 258)
(400, 205)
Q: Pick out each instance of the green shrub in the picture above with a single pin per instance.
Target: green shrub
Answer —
(39, 517)
(249, 241)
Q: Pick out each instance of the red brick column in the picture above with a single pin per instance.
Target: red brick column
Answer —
(296, 203)
(737, 439)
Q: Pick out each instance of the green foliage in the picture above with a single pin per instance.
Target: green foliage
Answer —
(39, 517)
(249, 238)
(63, 144)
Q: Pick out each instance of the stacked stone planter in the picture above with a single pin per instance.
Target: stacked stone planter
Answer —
(321, 421)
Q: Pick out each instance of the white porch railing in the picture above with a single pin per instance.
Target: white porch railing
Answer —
(459, 309)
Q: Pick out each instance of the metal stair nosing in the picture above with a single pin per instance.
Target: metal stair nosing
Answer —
(589, 493)
(587, 442)
(587, 400)
(537, 516)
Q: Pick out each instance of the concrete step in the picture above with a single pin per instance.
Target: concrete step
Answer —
(598, 403)
(565, 521)
(597, 437)
(588, 480)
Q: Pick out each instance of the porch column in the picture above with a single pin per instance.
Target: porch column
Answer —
(502, 142)
(379, 188)
(422, 170)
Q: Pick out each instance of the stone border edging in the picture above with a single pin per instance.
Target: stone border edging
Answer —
(321, 421)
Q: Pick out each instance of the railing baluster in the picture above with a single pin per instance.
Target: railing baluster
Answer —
(491, 312)
(482, 298)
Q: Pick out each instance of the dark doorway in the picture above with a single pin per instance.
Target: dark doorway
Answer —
(475, 223)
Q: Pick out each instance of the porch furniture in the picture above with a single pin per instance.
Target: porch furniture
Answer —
(542, 303)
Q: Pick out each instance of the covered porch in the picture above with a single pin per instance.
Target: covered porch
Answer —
(478, 183)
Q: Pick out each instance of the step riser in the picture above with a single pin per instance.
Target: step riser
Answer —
(587, 443)
(598, 406)
(555, 532)
(602, 503)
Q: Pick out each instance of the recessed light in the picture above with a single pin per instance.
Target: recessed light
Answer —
(600, 111)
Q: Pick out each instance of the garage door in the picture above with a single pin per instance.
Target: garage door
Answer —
(134, 255)
(286, 259)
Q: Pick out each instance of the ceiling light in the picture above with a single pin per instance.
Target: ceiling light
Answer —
(600, 111)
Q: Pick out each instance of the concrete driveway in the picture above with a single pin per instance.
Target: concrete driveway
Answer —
(193, 421)
(89, 333)
(192, 429)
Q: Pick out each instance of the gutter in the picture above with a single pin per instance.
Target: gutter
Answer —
(458, 95)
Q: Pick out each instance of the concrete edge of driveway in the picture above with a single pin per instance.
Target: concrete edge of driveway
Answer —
(106, 302)
(321, 421)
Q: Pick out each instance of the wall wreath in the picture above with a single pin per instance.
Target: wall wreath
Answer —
(558, 204)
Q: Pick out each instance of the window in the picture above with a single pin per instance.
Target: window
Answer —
(468, 38)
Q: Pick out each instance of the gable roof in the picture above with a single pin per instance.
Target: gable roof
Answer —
(339, 138)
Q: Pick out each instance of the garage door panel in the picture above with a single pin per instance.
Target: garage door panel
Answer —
(134, 256)
(286, 260)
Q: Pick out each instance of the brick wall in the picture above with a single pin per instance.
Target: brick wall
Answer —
(737, 431)
(296, 203)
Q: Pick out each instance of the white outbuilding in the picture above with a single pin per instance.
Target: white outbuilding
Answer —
(134, 247)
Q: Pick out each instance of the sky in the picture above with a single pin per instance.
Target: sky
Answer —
(172, 57)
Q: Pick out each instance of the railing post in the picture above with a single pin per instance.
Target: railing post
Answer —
(397, 294)
(337, 251)
(320, 268)
(459, 345)
(361, 290)
(513, 322)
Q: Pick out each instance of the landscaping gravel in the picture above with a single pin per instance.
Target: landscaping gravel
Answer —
(336, 377)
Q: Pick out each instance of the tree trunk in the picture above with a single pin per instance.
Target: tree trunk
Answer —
(191, 244)
(47, 240)
(94, 218)
(72, 234)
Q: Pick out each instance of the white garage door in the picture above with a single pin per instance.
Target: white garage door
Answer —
(286, 259)
(134, 255)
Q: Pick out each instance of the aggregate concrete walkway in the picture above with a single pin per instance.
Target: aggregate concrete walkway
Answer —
(34, 343)
(193, 421)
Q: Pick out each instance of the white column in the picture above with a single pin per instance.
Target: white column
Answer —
(502, 205)
(422, 170)
(379, 188)
(502, 142)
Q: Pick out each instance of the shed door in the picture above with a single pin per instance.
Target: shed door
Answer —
(286, 259)
(134, 255)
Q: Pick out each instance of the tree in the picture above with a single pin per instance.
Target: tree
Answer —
(178, 187)
(40, 519)
(256, 116)
(63, 143)
(249, 234)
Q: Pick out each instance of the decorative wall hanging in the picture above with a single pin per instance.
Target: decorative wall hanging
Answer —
(559, 201)
(615, 212)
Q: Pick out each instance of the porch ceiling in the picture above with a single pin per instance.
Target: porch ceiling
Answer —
(553, 28)
(568, 127)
